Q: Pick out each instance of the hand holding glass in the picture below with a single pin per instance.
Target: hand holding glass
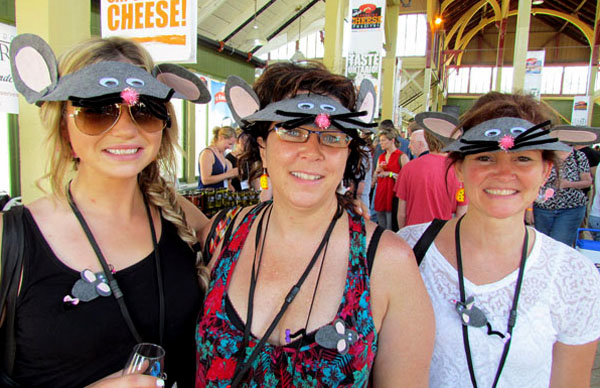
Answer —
(146, 359)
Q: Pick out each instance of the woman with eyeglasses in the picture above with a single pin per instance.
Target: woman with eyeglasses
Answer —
(112, 129)
(295, 299)
(513, 307)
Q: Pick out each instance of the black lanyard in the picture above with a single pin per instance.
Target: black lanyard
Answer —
(112, 282)
(512, 316)
(242, 367)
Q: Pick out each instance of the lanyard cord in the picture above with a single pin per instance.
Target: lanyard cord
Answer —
(512, 316)
(242, 368)
(112, 282)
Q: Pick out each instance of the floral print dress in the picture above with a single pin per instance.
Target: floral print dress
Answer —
(220, 331)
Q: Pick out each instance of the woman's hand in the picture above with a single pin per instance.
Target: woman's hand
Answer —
(128, 381)
(234, 172)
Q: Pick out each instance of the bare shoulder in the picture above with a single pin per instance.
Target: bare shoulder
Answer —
(392, 251)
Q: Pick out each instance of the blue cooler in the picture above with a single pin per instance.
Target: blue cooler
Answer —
(589, 248)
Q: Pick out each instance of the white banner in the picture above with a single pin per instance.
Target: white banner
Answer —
(9, 101)
(580, 110)
(166, 28)
(533, 72)
(366, 40)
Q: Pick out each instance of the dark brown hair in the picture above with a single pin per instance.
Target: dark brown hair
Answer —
(284, 80)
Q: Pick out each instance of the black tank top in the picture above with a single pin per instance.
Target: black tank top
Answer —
(60, 345)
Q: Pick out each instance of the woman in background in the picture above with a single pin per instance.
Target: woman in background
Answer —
(388, 166)
(213, 168)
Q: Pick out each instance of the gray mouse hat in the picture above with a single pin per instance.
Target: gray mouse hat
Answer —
(302, 109)
(500, 134)
(35, 73)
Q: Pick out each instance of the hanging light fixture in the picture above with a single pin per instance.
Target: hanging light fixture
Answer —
(255, 39)
(298, 56)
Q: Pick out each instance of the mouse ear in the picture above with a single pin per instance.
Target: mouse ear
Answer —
(241, 99)
(366, 101)
(186, 84)
(576, 135)
(440, 124)
(88, 276)
(33, 66)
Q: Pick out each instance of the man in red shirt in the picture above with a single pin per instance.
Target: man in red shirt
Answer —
(426, 188)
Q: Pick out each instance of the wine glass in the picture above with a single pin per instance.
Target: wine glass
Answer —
(146, 359)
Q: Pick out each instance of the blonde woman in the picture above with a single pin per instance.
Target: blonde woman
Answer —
(213, 168)
(108, 117)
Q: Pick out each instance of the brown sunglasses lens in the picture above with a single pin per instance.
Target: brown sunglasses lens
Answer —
(97, 120)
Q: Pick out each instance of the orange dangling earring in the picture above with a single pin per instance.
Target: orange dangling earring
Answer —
(264, 180)
(460, 194)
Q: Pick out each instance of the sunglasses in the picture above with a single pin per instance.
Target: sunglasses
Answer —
(97, 120)
(335, 139)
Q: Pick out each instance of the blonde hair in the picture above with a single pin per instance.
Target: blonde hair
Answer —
(226, 132)
(157, 190)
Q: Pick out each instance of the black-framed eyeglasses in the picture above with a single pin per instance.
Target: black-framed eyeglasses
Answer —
(95, 121)
(336, 139)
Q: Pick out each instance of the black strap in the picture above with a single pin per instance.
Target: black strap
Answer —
(112, 282)
(241, 372)
(372, 248)
(512, 316)
(13, 242)
(421, 247)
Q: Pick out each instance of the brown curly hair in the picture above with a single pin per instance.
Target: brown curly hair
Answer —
(285, 80)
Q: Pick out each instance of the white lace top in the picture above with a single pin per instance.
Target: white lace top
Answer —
(559, 301)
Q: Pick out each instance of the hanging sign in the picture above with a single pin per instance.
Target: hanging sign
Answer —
(166, 28)
(580, 110)
(9, 101)
(366, 42)
(533, 72)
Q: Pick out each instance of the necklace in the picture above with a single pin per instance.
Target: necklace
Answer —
(243, 366)
(512, 316)
(112, 282)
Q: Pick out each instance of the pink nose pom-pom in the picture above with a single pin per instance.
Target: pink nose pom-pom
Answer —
(322, 121)
(130, 96)
(507, 142)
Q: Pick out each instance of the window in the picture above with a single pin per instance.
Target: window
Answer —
(480, 80)
(575, 80)
(507, 79)
(551, 79)
(412, 35)
(458, 80)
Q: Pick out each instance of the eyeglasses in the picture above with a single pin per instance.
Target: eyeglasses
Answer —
(335, 139)
(95, 121)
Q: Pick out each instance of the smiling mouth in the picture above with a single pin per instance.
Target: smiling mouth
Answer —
(500, 191)
(122, 151)
(308, 177)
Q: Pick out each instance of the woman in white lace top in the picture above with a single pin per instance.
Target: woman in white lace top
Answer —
(476, 265)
